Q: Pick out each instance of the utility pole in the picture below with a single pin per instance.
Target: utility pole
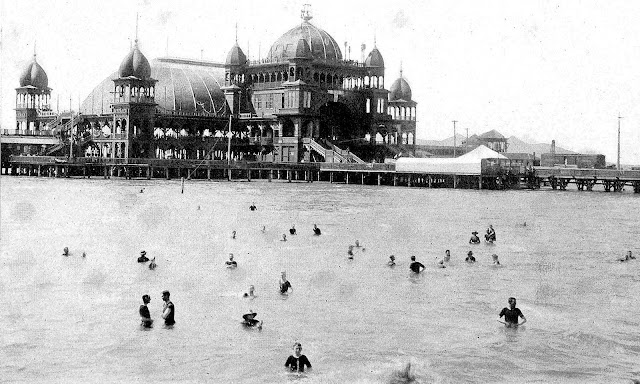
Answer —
(619, 118)
(454, 137)
(70, 130)
(466, 143)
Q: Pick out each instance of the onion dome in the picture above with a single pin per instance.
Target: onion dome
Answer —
(34, 76)
(135, 65)
(374, 59)
(303, 50)
(400, 90)
(322, 45)
(236, 56)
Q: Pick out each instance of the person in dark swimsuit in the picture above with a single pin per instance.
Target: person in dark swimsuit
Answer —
(392, 261)
(350, 252)
(253, 207)
(144, 312)
(285, 285)
(415, 266)
(511, 314)
(491, 234)
(470, 258)
(143, 257)
(292, 230)
(231, 263)
(250, 321)
(65, 251)
(316, 230)
(474, 238)
(168, 310)
(297, 361)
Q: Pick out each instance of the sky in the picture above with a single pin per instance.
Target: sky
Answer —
(538, 70)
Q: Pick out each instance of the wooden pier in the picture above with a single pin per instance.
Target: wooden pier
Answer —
(494, 176)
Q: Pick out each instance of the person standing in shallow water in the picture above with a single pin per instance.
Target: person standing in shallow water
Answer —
(144, 312)
(316, 230)
(416, 267)
(511, 314)
(285, 285)
(168, 310)
(297, 361)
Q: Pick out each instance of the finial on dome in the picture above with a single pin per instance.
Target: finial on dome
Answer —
(375, 45)
(136, 28)
(401, 69)
(236, 33)
(34, 49)
(306, 12)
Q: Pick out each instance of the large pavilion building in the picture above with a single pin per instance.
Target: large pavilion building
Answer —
(303, 102)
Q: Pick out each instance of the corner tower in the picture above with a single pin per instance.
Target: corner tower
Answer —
(133, 107)
(33, 99)
(403, 111)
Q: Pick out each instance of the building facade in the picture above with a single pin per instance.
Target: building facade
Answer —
(303, 102)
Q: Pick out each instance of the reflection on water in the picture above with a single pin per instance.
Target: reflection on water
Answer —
(358, 320)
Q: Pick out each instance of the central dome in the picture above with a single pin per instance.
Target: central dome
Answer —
(322, 45)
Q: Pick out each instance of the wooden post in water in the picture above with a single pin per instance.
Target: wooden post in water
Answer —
(248, 174)
(208, 172)
(331, 176)
(182, 185)
(395, 180)
(480, 182)
(409, 181)
(362, 178)
(270, 175)
(379, 179)
(455, 181)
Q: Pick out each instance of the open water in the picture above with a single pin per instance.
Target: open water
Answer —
(69, 319)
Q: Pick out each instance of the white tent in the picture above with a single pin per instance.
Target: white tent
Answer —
(467, 164)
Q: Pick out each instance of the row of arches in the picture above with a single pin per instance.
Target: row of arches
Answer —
(33, 101)
(127, 93)
(330, 79)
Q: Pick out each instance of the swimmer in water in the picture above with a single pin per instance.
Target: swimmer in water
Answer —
(250, 294)
(84, 254)
(264, 228)
(250, 321)
(231, 263)
(65, 251)
(142, 190)
(495, 259)
(474, 238)
(284, 237)
(143, 257)
(253, 207)
(511, 315)
(297, 361)
(416, 267)
(350, 252)
(470, 258)
(292, 230)
(198, 207)
(145, 316)
(357, 244)
(316, 230)
(627, 257)
(153, 264)
(285, 285)
(233, 234)
(447, 256)
(392, 261)
(490, 236)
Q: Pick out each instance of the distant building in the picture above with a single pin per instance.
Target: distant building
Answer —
(492, 139)
(577, 160)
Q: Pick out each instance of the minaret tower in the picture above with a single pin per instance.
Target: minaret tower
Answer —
(133, 106)
(33, 98)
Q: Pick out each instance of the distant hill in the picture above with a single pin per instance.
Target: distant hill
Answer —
(518, 146)
(515, 145)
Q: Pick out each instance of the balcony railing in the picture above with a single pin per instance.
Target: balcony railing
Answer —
(18, 132)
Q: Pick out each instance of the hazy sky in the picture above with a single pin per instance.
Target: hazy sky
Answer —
(539, 70)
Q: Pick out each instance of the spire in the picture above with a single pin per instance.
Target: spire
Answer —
(375, 45)
(305, 14)
(34, 49)
(136, 28)
(401, 69)
(236, 33)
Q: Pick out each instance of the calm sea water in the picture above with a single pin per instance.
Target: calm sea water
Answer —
(69, 319)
